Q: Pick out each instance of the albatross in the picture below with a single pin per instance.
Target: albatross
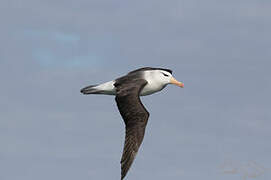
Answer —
(127, 90)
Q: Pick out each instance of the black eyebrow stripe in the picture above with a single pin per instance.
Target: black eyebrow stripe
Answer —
(164, 74)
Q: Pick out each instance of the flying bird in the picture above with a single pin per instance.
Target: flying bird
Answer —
(127, 89)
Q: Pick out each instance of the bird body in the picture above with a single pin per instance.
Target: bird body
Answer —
(154, 77)
(127, 89)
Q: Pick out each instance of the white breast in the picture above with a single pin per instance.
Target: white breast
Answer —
(150, 89)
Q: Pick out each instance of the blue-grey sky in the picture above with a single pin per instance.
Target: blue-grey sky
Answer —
(217, 127)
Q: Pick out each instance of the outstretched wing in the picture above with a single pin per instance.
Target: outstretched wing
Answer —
(135, 117)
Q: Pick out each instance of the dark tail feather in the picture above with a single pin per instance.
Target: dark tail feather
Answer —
(90, 90)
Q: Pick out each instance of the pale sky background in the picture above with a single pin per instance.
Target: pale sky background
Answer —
(49, 50)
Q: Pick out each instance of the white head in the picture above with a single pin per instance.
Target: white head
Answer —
(161, 78)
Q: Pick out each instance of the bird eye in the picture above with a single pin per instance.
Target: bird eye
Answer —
(165, 74)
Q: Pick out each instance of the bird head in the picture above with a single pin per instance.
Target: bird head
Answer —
(166, 77)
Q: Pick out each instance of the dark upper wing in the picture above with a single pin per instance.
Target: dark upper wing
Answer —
(135, 117)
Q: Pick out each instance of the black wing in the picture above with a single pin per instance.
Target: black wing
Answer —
(135, 117)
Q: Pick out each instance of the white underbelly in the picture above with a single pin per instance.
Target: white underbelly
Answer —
(150, 89)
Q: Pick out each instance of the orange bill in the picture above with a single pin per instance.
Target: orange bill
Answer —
(174, 81)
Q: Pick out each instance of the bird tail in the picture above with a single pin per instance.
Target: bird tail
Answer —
(104, 88)
(90, 90)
